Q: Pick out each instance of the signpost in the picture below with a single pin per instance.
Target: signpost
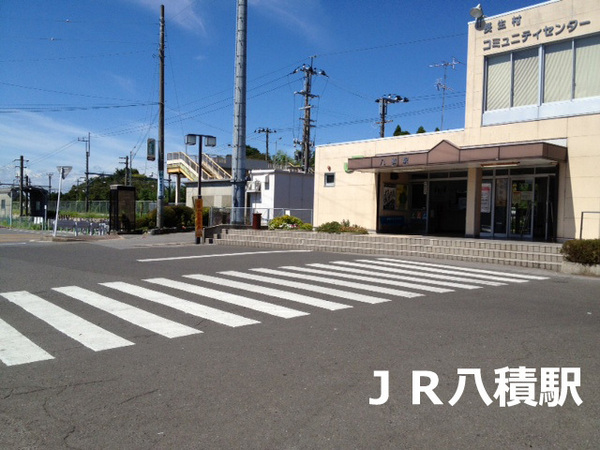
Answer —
(63, 171)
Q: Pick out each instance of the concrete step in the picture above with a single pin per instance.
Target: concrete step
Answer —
(515, 253)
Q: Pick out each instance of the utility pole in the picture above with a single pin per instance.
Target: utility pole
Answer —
(267, 131)
(87, 170)
(22, 163)
(49, 184)
(161, 125)
(309, 71)
(443, 86)
(383, 102)
(239, 115)
(126, 158)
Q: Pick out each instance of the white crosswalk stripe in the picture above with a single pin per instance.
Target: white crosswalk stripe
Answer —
(285, 295)
(87, 333)
(349, 278)
(391, 268)
(452, 272)
(16, 349)
(466, 269)
(257, 305)
(349, 295)
(137, 316)
(192, 308)
(375, 273)
(348, 284)
(369, 279)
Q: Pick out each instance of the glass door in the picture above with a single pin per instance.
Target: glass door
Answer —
(521, 208)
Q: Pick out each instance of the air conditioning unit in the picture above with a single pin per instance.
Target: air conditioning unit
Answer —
(253, 186)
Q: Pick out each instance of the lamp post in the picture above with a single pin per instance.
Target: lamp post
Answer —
(209, 141)
(63, 171)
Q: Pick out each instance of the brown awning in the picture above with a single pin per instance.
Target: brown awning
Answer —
(447, 155)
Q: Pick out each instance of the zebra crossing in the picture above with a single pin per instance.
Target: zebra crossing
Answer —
(332, 286)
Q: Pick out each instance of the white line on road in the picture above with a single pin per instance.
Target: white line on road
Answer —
(370, 279)
(88, 334)
(245, 302)
(16, 349)
(136, 316)
(348, 284)
(467, 269)
(380, 265)
(349, 295)
(451, 272)
(394, 276)
(175, 258)
(195, 309)
(285, 295)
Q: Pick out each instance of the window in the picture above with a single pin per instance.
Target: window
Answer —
(587, 61)
(498, 91)
(547, 81)
(525, 78)
(558, 72)
(329, 179)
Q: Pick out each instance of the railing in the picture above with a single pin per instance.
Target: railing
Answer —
(189, 166)
(223, 216)
(581, 221)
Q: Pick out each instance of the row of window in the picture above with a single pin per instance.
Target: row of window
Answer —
(550, 73)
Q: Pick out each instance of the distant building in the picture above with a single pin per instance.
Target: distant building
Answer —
(35, 201)
(277, 192)
(527, 163)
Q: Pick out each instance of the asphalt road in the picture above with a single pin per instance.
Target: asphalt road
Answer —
(285, 374)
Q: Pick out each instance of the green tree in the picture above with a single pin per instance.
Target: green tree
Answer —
(421, 130)
(398, 131)
(254, 153)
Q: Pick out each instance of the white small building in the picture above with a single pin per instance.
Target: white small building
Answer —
(274, 192)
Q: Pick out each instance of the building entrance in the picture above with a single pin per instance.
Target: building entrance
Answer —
(518, 207)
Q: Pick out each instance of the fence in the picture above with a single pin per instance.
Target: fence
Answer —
(142, 207)
(223, 216)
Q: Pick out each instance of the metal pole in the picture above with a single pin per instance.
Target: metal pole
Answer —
(161, 124)
(239, 117)
(58, 202)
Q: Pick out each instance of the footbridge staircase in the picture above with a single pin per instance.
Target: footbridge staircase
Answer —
(183, 165)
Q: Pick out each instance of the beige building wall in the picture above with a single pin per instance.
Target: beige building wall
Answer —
(354, 196)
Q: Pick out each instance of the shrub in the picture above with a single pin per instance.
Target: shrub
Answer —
(306, 227)
(285, 223)
(344, 227)
(582, 251)
(176, 216)
(330, 227)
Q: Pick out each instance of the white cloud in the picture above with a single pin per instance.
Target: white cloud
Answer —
(301, 16)
(180, 12)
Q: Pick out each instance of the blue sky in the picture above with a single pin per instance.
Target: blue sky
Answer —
(70, 68)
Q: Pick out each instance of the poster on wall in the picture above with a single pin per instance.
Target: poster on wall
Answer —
(486, 197)
(389, 196)
(395, 197)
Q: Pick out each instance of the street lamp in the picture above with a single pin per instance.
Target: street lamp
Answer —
(209, 141)
(63, 171)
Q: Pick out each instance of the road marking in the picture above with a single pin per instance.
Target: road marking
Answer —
(195, 309)
(467, 269)
(245, 302)
(16, 349)
(452, 272)
(285, 295)
(371, 279)
(308, 287)
(394, 276)
(88, 334)
(349, 284)
(381, 265)
(136, 316)
(176, 258)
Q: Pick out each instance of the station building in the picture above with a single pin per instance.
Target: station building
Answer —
(526, 165)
